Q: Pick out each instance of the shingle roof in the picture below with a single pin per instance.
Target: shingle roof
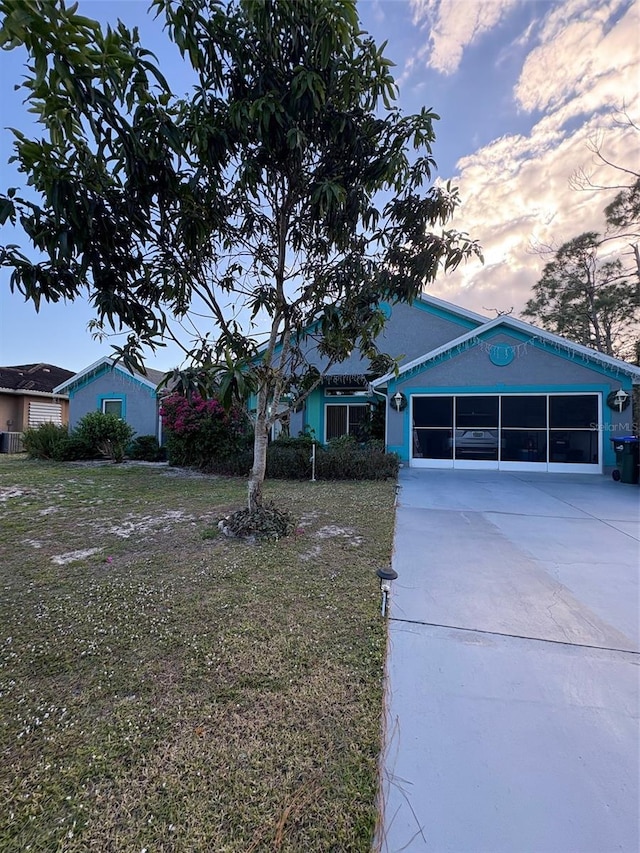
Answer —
(33, 377)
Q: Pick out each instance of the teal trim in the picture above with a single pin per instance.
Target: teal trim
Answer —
(500, 388)
(346, 400)
(104, 369)
(518, 335)
(314, 414)
(445, 314)
(123, 399)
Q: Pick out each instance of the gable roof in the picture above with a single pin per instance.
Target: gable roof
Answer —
(151, 380)
(29, 378)
(514, 324)
(403, 333)
(450, 308)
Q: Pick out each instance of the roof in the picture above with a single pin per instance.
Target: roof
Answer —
(403, 333)
(151, 379)
(538, 334)
(42, 378)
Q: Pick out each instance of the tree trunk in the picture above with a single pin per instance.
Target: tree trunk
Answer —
(260, 442)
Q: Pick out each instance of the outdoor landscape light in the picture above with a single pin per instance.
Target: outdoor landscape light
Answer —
(386, 576)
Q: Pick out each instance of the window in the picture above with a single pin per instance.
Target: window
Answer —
(113, 407)
(347, 419)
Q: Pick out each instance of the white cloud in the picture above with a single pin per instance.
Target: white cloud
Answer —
(579, 47)
(516, 191)
(451, 26)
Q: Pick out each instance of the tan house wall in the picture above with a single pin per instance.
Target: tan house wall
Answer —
(15, 408)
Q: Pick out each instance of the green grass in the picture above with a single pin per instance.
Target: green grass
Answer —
(165, 688)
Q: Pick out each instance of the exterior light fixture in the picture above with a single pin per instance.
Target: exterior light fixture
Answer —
(618, 400)
(399, 401)
(621, 398)
(386, 576)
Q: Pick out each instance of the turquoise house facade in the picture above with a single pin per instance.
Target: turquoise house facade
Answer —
(474, 392)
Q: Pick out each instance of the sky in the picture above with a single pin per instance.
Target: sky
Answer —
(524, 88)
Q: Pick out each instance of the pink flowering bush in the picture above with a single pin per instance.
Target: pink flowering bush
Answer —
(201, 433)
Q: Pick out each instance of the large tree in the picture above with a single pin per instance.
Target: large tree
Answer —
(622, 214)
(287, 194)
(586, 299)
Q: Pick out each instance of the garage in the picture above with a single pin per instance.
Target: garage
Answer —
(535, 432)
(506, 396)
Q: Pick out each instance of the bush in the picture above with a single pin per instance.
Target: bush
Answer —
(107, 434)
(290, 458)
(345, 459)
(202, 434)
(342, 459)
(146, 449)
(76, 447)
(45, 441)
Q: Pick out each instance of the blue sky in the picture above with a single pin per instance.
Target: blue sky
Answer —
(522, 87)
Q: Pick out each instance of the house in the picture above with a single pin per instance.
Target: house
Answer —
(474, 392)
(109, 387)
(28, 398)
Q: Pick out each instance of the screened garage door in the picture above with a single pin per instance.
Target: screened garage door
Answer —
(550, 432)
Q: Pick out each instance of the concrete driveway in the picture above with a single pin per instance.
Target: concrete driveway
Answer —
(513, 665)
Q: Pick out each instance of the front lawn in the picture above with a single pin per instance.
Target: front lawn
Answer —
(163, 689)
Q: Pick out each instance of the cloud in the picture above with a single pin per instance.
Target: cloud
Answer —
(580, 45)
(516, 191)
(451, 26)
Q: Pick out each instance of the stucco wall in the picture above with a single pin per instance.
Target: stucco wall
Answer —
(140, 403)
(15, 408)
(410, 331)
(532, 370)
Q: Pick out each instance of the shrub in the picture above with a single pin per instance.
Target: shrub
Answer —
(76, 447)
(290, 458)
(345, 459)
(106, 433)
(45, 441)
(146, 449)
(202, 434)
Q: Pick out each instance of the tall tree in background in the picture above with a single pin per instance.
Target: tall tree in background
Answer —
(586, 299)
(622, 214)
(286, 194)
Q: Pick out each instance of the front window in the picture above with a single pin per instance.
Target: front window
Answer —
(347, 419)
(112, 407)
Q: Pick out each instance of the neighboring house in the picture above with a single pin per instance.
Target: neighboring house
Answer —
(28, 398)
(109, 387)
(473, 392)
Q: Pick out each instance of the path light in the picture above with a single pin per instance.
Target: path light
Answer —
(386, 576)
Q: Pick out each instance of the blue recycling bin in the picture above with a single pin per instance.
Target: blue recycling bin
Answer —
(627, 450)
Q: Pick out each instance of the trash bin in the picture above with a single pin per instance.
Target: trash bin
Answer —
(627, 448)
